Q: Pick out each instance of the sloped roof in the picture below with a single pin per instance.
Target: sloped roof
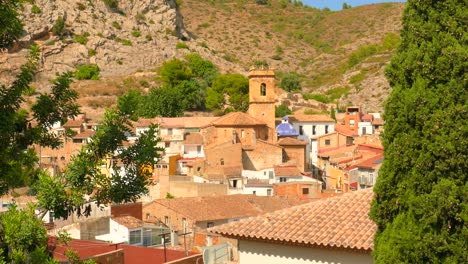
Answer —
(193, 138)
(378, 121)
(288, 141)
(74, 123)
(300, 117)
(372, 162)
(237, 119)
(344, 130)
(224, 207)
(128, 221)
(336, 222)
(86, 134)
(287, 171)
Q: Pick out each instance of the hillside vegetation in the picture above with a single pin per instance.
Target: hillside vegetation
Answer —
(346, 49)
(325, 57)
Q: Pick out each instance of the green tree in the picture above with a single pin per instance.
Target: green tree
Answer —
(11, 27)
(24, 239)
(282, 110)
(130, 103)
(235, 87)
(17, 134)
(66, 193)
(87, 72)
(290, 82)
(421, 195)
(191, 95)
(332, 113)
(162, 101)
(346, 6)
(174, 71)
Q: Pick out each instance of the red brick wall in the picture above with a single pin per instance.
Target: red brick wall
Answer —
(132, 209)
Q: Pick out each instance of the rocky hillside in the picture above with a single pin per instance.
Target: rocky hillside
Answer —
(130, 41)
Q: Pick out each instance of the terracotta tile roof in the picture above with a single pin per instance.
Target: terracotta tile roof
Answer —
(258, 183)
(223, 207)
(378, 121)
(237, 119)
(287, 171)
(342, 129)
(177, 122)
(367, 118)
(74, 123)
(193, 138)
(372, 162)
(128, 221)
(298, 117)
(337, 151)
(336, 222)
(287, 141)
(86, 134)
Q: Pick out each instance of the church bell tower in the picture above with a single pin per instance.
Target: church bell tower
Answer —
(262, 95)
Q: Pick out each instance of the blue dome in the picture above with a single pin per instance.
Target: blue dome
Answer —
(286, 129)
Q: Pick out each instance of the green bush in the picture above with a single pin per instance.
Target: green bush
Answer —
(126, 42)
(80, 6)
(35, 9)
(82, 39)
(149, 37)
(91, 52)
(282, 110)
(116, 25)
(290, 82)
(87, 72)
(136, 33)
(317, 97)
(337, 92)
(58, 26)
(112, 4)
(181, 45)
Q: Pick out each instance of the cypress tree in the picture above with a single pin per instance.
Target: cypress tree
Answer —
(420, 204)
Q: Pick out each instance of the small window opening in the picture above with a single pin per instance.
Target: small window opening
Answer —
(263, 89)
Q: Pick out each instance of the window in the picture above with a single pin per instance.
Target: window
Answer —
(305, 190)
(268, 192)
(169, 131)
(254, 192)
(326, 129)
(327, 142)
(301, 130)
(270, 174)
(283, 179)
(313, 130)
(198, 149)
(209, 224)
(167, 220)
(351, 123)
(364, 130)
(371, 179)
(134, 237)
(167, 144)
(221, 161)
(234, 183)
(263, 89)
(242, 133)
(164, 166)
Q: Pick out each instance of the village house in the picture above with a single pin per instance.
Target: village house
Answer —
(196, 214)
(332, 230)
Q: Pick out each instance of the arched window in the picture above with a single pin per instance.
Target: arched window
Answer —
(263, 89)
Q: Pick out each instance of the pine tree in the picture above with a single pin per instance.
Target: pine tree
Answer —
(421, 196)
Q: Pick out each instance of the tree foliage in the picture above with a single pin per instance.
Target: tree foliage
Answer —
(83, 180)
(24, 239)
(282, 110)
(291, 82)
(17, 132)
(229, 91)
(420, 203)
(11, 26)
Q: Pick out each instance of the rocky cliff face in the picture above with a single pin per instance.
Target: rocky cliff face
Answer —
(136, 36)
